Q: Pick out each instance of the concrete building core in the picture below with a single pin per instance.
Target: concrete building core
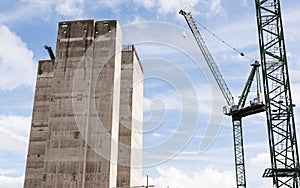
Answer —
(87, 117)
(131, 118)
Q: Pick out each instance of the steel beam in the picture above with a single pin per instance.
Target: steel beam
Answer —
(279, 106)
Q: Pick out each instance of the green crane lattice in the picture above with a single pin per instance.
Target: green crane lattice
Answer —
(279, 106)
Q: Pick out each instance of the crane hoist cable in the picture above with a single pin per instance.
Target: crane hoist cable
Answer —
(220, 39)
(251, 59)
(209, 58)
(237, 112)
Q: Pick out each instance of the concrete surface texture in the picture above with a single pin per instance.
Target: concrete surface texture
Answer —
(79, 98)
(131, 118)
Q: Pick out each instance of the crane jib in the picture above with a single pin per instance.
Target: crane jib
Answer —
(209, 59)
(237, 112)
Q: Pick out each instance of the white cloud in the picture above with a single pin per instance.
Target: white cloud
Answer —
(6, 171)
(11, 182)
(255, 168)
(25, 10)
(110, 3)
(17, 67)
(43, 9)
(169, 100)
(14, 130)
(71, 8)
(171, 6)
(161, 6)
(210, 178)
(76, 9)
(18, 124)
(39, 3)
(147, 4)
(157, 135)
(261, 160)
(215, 8)
(137, 19)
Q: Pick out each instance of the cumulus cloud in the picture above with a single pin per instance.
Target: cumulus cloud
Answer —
(157, 135)
(161, 6)
(163, 101)
(137, 19)
(17, 67)
(11, 182)
(71, 8)
(76, 9)
(147, 4)
(207, 177)
(261, 160)
(14, 130)
(170, 6)
(173, 6)
(43, 9)
(215, 7)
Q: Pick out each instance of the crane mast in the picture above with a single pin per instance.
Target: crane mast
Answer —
(285, 169)
(236, 111)
(284, 155)
(236, 120)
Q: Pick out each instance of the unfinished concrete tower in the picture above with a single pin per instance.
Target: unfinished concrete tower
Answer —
(75, 123)
(131, 118)
(39, 133)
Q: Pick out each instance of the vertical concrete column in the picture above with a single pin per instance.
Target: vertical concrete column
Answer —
(63, 163)
(104, 106)
(137, 121)
(131, 117)
(39, 127)
(75, 124)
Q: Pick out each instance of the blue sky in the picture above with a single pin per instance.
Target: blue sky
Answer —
(181, 99)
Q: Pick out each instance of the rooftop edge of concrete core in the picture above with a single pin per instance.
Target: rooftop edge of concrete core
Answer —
(87, 117)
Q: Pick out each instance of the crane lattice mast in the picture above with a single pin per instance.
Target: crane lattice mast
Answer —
(236, 111)
(279, 107)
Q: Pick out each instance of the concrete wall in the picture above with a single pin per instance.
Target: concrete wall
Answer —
(131, 118)
(39, 126)
(71, 149)
(84, 105)
(137, 122)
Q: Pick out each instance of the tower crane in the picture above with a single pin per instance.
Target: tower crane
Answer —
(236, 111)
(285, 169)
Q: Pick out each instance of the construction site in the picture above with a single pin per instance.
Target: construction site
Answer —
(87, 120)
